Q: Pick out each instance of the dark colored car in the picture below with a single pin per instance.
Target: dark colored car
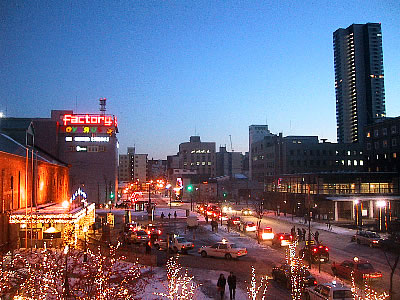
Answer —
(282, 239)
(369, 238)
(391, 243)
(316, 253)
(283, 273)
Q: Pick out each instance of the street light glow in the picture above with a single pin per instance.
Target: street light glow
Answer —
(381, 203)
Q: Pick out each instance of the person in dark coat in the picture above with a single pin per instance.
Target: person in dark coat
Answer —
(221, 285)
(316, 236)
(232, 285)
(304, 234)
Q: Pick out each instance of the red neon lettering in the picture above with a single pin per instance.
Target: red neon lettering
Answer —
(108, 121)
(81, 119)
(94, 120)
(87, 119)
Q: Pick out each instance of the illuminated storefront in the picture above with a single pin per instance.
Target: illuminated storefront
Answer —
(52, 225)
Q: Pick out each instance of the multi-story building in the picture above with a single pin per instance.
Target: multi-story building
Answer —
(229, 163)
(256, 134)
(277, 155)
(199, 156)
(132, 167)
(156, 169)
(382, 142)
(359, 79)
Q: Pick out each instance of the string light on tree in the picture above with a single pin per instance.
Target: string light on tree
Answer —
(257, 289)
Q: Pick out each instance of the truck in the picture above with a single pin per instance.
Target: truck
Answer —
(192, 222)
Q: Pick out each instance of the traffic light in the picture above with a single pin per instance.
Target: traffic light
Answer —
(225, 194)
(189, 188)
(111, 195)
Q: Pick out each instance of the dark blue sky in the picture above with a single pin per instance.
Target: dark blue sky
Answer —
(169, 68)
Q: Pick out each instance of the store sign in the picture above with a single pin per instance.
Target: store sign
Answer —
(87, 139)
(89, 120)
(87, 129)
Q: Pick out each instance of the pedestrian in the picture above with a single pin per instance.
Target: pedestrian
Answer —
(206, 218)
(304, 234)
(162, 215)
(148, 248)
(169, 215)
(175, 215)
(300, 234)
(316, 236)
(232, 285)
(221, 285)
(216, 226)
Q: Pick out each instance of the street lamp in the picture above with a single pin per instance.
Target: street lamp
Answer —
(381, 204)
(355, 209)
(85, 230)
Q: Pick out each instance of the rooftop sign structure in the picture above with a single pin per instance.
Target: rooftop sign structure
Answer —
(89, 119)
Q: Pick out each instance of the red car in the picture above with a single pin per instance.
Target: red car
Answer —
(234, 221)
(361, 269)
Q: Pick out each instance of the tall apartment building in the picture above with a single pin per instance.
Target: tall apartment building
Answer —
(256, 134)
(132, 166)
(359, 80)
(199, 156)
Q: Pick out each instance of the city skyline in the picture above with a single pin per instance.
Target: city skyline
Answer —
(170, 71)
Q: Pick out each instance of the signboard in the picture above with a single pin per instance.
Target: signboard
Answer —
(110, 219)
(94, 120)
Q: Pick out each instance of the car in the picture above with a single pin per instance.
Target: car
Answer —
(266, 234)
(226, 208)
(317, 253)
(176, 244)
(360, 268)
(153, 231)
(223, 216)
(136, 236)
(250, 227)
(391, 243)
(223, 249)
(282, 239)
(369, 238)
(234, 221)
(329, 291)
(247, 212)
(282, 274)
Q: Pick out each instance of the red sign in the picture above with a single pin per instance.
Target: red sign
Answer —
(89, 120)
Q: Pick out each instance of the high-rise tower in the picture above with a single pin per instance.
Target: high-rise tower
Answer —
(359, 81)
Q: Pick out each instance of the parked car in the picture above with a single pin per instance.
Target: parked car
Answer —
(283, 274)
(369, 238)
(223, 249)
(317, 253)
(282, 239)
(391, 243)
(329, 291)
(361, 269)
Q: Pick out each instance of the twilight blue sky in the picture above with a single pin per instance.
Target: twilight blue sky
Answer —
(169, 68)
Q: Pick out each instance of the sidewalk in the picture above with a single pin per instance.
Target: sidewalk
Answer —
(315, 225)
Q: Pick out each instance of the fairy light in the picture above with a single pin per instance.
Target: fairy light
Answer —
(181, 285)
(296, 274)
(257, 289)
(369, 293)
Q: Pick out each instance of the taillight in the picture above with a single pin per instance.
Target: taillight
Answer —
(326, 248)
(281, 237)
(315, 250)
(192, 245)
(315, 282)
(159, 232)
(291, 237)
(238, 253)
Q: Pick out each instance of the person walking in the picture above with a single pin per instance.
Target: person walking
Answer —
(221, 285)
(300, 234)
(232, 285)
(175, 215)
(316, 236)
(162, 216)
(304, 234)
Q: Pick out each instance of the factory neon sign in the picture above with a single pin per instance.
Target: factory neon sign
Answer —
(89, 120)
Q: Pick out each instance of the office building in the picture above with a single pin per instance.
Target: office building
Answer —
(229, 163)
(132, 167)
(359, 80)
(256, 134)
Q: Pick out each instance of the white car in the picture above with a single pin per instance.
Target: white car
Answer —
(328, 291)
(251, 227)
(223, 249)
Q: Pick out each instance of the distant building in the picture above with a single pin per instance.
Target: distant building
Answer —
(359, 79)
(256, 134)
(382, 143)
(132, 167)
(156, 169)
(229, 163)
(198, 156)
(277, 155)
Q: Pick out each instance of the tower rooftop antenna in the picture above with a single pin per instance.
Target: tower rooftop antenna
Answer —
(102, 102)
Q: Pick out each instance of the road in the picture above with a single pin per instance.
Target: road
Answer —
(263, 256)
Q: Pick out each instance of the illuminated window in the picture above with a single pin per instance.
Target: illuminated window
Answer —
(361, 162)
(203, 163)
(355, 162)
(198, 163)
(68, 138)
(209, 163)
(394, 155)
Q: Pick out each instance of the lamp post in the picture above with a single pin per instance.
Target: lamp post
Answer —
(381, 204)
(85, 230)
